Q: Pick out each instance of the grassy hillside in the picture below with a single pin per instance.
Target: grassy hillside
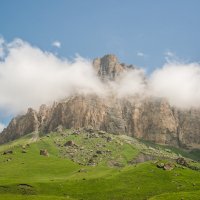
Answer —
(93, 166)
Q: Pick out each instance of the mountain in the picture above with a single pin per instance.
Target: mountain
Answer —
(109, 67)
(148, 118)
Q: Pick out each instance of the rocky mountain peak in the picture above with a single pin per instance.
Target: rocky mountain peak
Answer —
(108, 67)
(150, 119)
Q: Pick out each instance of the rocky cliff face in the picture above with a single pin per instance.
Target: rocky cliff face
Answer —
(150, 119)
(109, 67)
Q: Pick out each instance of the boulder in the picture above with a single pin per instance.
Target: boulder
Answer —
(82, 148)
(91, 162)
(115, 163)
(168, 166)
(182, 161)
(89, 129)
(76, 132)
(69, 143)
(160, 165)
(99, 152)
(82, 170)
(59, 129)
(101, 132)
(44, 152)
(109, 139)
(7, 152)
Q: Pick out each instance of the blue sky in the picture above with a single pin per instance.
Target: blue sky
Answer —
(140, 32)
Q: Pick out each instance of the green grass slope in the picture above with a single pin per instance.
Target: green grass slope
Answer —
(95, 167)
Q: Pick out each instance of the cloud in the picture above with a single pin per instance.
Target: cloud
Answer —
(56, 44)
(140, 54)
(177, 82)
(169, 54)
(2, 126)
(30, 77)
(2, 42)
(171, 57)
(130, 83)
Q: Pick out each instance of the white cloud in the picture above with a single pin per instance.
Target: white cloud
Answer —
(29, 77)
(140, 54)
(177, 82)
(2, 126)
(171, 57)
(169, 54)
(2, 42)
(130, 83)
(56, 44)
(1, 52)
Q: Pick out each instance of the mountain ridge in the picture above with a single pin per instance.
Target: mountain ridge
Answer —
(148, 118)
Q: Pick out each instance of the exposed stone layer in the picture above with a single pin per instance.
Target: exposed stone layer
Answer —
(109, 67)
(150, 119)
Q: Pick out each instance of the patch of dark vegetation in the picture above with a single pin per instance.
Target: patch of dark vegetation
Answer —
(3, 186)
(142, 158)
(194, 167)
(196, 153)
(26, 189)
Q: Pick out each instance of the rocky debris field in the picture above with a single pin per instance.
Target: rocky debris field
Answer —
(90, 147)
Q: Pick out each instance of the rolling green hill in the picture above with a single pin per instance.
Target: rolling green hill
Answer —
(93, 165)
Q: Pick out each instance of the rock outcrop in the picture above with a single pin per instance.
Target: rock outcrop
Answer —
(148, 118)
(20, 126)
(109, 67)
